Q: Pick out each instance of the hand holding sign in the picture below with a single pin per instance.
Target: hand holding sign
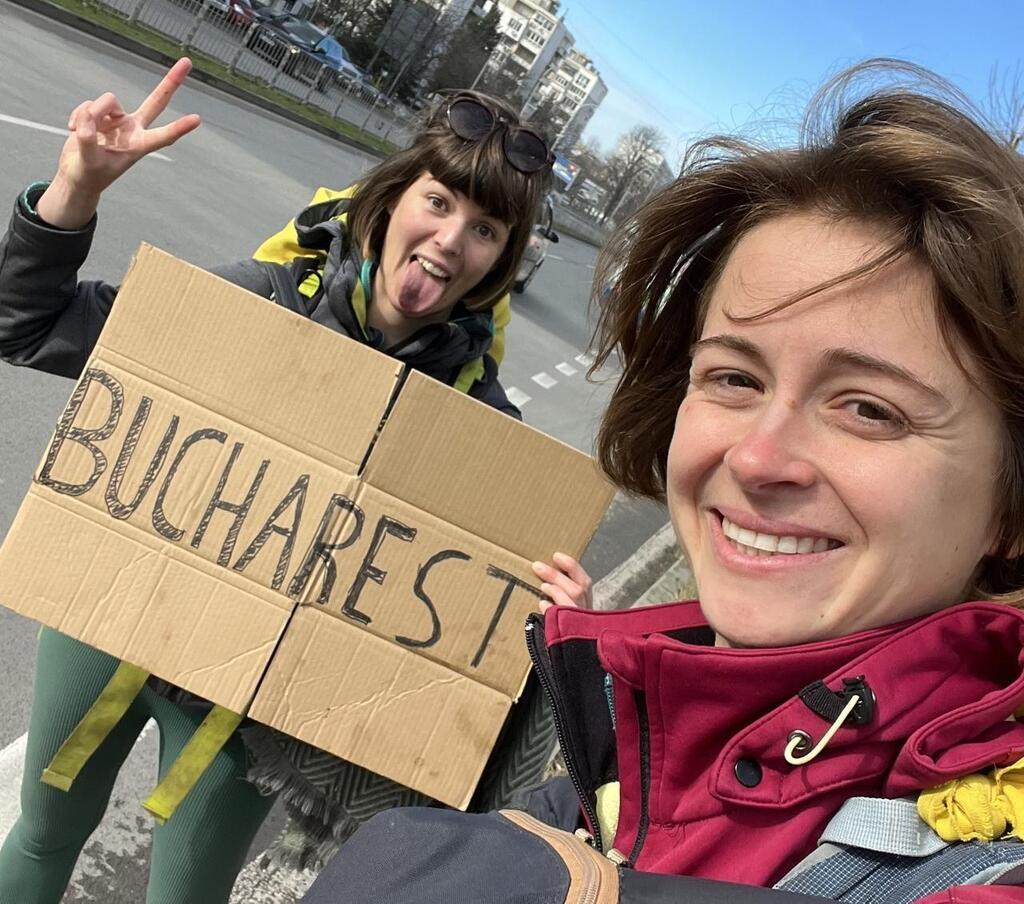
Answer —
(565, 583)
(105, 141)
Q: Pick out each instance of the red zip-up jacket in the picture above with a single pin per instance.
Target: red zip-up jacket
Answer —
(696, 734)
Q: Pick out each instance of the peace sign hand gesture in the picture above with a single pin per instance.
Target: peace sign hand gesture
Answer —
(104, 142)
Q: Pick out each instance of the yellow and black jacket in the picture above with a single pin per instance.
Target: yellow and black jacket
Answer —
(334, 284)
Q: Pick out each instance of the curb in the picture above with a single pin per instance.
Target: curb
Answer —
(641, 573)
(109, 36)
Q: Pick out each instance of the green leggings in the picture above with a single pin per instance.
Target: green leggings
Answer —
(196, 856)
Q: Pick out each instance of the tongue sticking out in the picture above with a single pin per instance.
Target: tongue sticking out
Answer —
(419, 292)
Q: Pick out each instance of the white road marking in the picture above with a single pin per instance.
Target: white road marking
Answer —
(565, 368)
(586, 359)
(53, 130)
(555, 257)
(544, 380)
(516, 396)
(123, 836)
(12, 766)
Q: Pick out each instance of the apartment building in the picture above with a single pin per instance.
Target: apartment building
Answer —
(576, 88)
(533, 33)
(537, 50)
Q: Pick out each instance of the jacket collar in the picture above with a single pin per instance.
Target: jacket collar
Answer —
(700, 732)
(945, 687)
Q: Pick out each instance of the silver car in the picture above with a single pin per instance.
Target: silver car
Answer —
(543, 235)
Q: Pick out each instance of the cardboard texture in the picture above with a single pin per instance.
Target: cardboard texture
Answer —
(282, 521)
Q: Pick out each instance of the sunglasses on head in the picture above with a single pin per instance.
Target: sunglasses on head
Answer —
(473, 121)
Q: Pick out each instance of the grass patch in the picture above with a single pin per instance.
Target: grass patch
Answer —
(161, 43)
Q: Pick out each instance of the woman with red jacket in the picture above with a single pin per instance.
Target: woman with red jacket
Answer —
(822, 353)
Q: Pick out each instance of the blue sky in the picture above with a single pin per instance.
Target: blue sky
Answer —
(690, 67)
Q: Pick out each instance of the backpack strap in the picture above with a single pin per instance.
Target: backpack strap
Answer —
(110, 706)
(285, 288)
(194, 759)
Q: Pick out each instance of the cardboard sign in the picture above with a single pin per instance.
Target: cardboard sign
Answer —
(288, 524)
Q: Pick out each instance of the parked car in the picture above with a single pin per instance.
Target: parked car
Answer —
(217, 8)
(332, 55)
(242, 12)
(536, 250)
(297, 46)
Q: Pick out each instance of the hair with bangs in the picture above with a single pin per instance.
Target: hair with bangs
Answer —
(477, 169)
(887, 143)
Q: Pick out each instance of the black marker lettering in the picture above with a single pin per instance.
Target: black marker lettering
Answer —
(238, 509)
(82, 436)
(115, 506)
(160, 522)
(320, 550)
(370, 571)
(297, 496)
(511, 582)
(421, 593)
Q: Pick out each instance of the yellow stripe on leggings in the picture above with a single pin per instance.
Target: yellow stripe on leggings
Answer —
(109, 708)
(192, 762)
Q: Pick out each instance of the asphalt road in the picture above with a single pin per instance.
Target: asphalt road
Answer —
(234, 181)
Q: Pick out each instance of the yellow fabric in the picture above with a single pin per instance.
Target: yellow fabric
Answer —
(977, 807)
(283, 246)
(192, 762)
(359, 303)
(608, 813)
(501, 315)
(470, 373)
(111, 705)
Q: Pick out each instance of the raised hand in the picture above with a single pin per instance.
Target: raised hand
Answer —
(105, 141)
(565, 583)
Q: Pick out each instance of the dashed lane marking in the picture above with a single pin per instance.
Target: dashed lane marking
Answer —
(565, 368)
(544, 380)
(585, 359)
(517, 397)
(53, 130)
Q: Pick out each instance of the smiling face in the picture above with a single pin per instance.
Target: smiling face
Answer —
(831, 469)
(439, 244)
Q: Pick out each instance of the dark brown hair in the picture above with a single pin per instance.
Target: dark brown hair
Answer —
(911, 156)
(477, 169)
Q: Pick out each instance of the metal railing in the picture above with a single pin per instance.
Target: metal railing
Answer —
(223, 31)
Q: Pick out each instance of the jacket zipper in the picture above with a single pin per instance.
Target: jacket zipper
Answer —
(547, 684)
(643, 724)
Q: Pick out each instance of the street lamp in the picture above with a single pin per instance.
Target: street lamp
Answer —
(480, 74)
(575, 113)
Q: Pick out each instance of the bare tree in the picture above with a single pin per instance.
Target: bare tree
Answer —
(1006, 103)
(548, 118)
(426, 47)
(503, 84)
(345, 16)
(637, 157)
(360, 28)
(468, 50)
(588, 157)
